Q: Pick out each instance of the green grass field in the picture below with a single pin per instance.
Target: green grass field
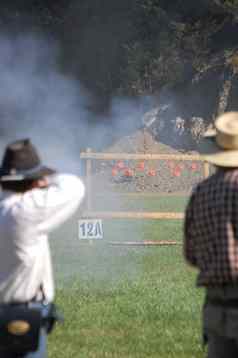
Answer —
(150, 203)
(123, 301)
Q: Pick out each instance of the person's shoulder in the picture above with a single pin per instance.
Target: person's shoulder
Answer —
(203, 186)
(231, 175)
(210, 180)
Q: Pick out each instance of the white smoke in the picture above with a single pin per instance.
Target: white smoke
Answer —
(38, 101)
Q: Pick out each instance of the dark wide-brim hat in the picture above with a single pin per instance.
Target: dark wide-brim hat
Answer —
(21, 161)
(220, 144)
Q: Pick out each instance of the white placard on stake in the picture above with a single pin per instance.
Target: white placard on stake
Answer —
(91, 229)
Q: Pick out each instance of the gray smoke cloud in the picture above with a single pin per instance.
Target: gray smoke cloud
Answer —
(39, 102)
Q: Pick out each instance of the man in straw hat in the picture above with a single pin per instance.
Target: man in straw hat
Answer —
(35, 200)
(211, 238)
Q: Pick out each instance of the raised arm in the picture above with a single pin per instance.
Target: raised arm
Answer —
(49, 207)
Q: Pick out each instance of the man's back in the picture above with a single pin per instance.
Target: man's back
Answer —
(211, 237)
(211, 228)
(25, 221)
(34, 201)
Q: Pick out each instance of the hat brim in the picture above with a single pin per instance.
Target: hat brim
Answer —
(40, 172)
(44, 171)
(212, 153)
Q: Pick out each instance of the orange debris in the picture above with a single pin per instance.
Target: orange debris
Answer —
(128, 172)
(114, 172)
(152, 173)
(176, 172)
(194, 166)
(120, 165)
(141, 166)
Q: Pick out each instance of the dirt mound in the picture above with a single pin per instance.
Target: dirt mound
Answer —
(141, 141)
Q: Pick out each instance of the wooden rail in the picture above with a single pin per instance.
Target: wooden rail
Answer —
(131, 215)
(144, 194)
(137, 156)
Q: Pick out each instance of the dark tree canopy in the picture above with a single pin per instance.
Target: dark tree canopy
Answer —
(132, 47)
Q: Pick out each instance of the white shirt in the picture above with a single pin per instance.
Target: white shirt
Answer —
(25, 221)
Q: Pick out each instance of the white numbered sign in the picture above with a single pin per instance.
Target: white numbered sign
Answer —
(90, 229)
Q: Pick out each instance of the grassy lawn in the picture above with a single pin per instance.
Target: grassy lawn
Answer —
(123, 301)
(151, 203)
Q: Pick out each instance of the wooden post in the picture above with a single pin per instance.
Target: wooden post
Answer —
(206, 170)
(88, 180)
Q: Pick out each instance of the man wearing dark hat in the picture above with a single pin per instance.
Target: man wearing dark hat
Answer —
(211, 238)
(34, 200)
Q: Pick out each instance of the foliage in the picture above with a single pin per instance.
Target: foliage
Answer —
(166, 51)
(128, 47)
(230, 5)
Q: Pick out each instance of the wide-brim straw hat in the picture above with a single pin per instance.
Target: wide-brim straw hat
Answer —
(220, 144)
(21, 161)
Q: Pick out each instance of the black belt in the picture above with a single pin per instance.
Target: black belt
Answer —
(227, 303)
(26, 304)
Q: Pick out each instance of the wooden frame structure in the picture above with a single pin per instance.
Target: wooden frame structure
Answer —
(89, 156)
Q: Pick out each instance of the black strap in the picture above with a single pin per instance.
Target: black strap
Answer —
(35, 297)
(52, 317)
(227, 303)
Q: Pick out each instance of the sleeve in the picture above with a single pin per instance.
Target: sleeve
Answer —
(189, 247)
(48, 208)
